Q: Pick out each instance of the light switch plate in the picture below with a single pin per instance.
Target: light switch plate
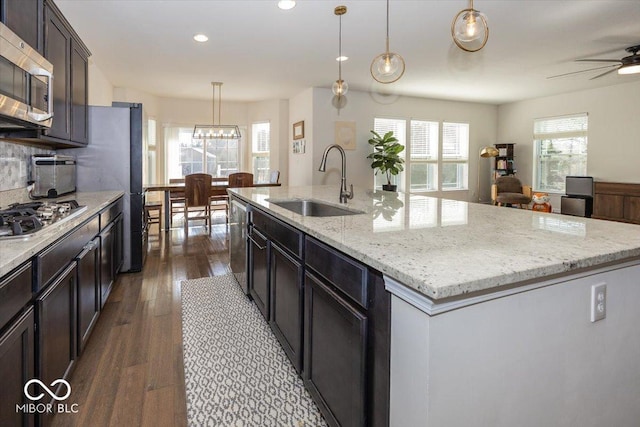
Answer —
(598, 302)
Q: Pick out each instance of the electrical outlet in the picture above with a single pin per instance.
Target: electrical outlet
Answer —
(598, 302)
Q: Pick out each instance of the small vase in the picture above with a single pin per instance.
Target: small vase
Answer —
(389, 187)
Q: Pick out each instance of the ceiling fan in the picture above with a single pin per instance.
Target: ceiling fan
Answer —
(627, 65)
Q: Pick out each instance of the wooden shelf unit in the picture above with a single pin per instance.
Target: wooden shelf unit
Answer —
(504, 163)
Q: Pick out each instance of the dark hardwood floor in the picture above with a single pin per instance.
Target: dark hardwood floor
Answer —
(131, 372)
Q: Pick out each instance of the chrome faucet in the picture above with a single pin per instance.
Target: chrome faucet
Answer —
(344, 193)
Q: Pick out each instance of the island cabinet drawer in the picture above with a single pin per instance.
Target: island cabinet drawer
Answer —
(108, 214)
(346, 274)
(276, 230)
(15, 292)
(55, 258)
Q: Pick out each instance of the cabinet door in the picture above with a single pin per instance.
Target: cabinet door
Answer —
(79, 101)
(24, 17)
(259, 271)
(118, 251)
(335, 354)
(57, 51)
(56, 314)
(88, 290)
(16, 368)
(107, 268)
(287, 303)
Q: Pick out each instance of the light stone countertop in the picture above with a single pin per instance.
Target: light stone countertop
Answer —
(13, 252)
(444, 248)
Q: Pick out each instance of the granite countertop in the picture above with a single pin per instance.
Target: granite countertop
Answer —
(444, 248)
(14, 252)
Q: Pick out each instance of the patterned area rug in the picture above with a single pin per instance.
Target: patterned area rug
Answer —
(236, 373)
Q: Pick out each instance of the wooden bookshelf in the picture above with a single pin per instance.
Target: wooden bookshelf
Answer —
(504, 163)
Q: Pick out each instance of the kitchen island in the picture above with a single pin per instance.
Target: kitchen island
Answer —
(491, 308)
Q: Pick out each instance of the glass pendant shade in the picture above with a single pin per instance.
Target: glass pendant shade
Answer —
(387, 67)
(470, 30)
(340, 88)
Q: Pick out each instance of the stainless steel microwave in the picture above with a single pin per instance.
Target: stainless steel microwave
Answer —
(26, 84)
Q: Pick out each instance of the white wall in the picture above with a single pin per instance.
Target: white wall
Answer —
(276, 112)
(301, 107)
(363, 107)
(100, 88)
(614, 140)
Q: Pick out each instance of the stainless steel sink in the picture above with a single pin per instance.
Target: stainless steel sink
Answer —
(313, 208)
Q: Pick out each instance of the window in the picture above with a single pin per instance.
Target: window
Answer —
(560, 145)
(149, 166)
(424, 156)
(438, 156)
(260, 143)
(455, 156)
(185, 155)
(399, 128)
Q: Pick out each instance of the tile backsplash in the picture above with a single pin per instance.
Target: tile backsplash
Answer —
(14, 166)
(14, 163)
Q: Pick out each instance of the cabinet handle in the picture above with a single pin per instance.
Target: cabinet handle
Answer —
(262, 248)
(90, 246)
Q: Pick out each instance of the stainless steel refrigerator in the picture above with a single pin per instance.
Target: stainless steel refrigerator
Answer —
(112, 160)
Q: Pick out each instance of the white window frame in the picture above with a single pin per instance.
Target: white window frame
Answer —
(438, 159)
(257, 153)
(173, 135)
(568, 129)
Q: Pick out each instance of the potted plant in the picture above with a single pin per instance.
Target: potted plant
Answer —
(385, 157)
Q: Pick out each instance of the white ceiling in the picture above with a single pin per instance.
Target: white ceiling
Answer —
(261, 52)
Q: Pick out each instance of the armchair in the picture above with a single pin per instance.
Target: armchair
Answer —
(508, 190)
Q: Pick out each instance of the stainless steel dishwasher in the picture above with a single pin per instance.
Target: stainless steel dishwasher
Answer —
(238, 241)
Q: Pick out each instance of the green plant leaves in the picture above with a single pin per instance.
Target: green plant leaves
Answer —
(385, 156)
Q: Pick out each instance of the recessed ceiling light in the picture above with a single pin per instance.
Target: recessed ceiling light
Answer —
(200, 38)
(286, 4)
(342, 58)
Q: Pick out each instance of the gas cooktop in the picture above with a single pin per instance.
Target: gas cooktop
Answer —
(23, 220)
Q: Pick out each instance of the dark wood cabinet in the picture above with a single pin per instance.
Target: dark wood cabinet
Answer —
(118, 250)
(56, 317)
(259, 271)
(287, 303)
(57, 51)
(24, 17)
(69, 57)
(617, 201)
(79, 94)
(335, 354)
(107, 262)
(16, 368)
(88, 291)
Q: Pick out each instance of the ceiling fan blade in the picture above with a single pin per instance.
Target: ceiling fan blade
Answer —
(582, 71)
(599, 60)
(605, 73)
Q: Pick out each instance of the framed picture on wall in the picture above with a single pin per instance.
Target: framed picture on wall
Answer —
(345, 135)
(298, 146)
(298, 130)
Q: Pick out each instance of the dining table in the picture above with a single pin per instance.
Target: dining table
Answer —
(218, 188)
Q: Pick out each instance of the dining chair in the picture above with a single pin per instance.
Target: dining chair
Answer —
(220, 199)
(240, 179)
(197, 199)
(176, 199)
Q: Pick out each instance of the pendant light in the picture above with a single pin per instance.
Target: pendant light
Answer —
(214, 131)
(387, 67)
(469, 29)
(340, 87)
